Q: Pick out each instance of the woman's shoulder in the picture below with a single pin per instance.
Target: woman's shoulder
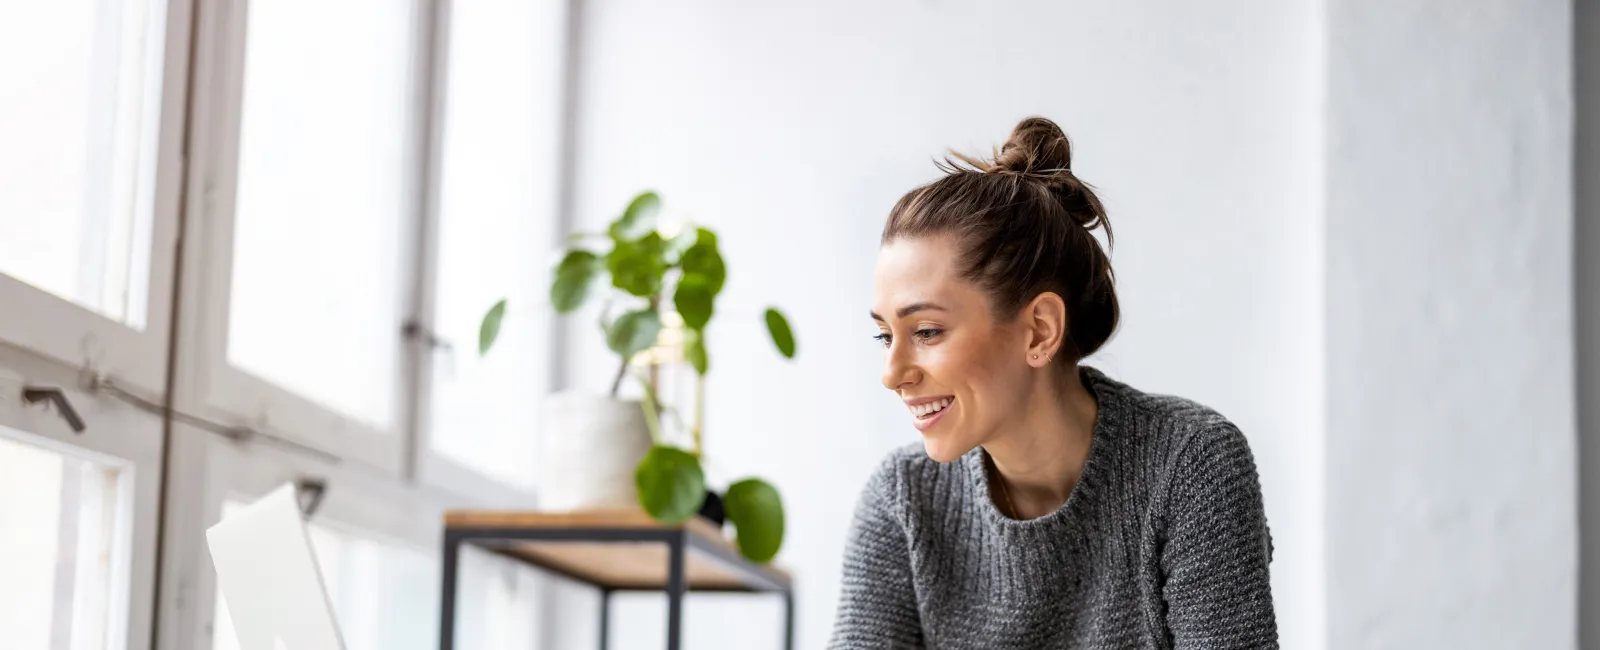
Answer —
(1174, 427)
(1153, 412)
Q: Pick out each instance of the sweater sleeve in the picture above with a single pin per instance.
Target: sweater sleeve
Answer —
(1218, 548)
(878, 603)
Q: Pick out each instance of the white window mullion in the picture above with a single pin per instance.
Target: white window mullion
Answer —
(423, 345)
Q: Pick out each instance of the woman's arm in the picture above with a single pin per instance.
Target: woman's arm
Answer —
(878, 604)
(1218, 548)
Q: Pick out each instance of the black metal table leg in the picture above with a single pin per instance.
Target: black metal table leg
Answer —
(675, 587)
(605, 619)
(447, 588)
(678, 541)
(788, 619)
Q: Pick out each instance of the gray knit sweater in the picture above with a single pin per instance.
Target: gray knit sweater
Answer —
(1163, 544)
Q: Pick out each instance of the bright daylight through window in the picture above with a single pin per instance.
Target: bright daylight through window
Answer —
(496, 214)
(320, 240)
(63, 550)
(79, 153)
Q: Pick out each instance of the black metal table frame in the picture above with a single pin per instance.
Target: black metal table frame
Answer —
(678, 541)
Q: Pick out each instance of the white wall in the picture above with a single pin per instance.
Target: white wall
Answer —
(793, 128)
(1450, 385)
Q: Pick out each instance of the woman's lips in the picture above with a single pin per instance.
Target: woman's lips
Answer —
(924, 416)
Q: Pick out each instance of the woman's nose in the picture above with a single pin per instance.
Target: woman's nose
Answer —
(898, 372)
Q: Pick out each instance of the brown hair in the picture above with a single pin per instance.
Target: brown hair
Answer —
(1024, 224)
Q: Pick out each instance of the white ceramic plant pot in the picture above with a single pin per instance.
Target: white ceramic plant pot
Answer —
(591, 447)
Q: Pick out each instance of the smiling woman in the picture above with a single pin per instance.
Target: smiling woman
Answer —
(1048, 505)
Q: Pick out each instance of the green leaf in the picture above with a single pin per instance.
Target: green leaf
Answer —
(574, 276)
(489, 329)
(693, 300)
(694, 350)
(756, 511)
(681, 243)
(702, 259)
(638, 266)
(633, 332)
(782, 336)
(705, 237)
(638, 218)
(670, 483)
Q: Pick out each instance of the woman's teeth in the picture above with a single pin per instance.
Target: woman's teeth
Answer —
(925, 410)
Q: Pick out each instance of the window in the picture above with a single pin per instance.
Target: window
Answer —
(498, 607)
(84, 82)
(63, 540)
(88, 205)
(302, 155)
(323, 223)
(497, 231)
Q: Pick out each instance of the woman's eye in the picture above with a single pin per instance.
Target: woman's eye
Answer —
(923, 335)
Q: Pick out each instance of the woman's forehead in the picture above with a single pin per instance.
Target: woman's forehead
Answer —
(916, 271)
(918, 259)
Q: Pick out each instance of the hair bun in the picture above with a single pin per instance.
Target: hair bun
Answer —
(1036, 146)
(1038, 151)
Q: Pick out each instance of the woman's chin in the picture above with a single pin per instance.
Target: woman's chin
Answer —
(942, 449)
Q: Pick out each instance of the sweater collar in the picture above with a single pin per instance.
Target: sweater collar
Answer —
(1110, 397)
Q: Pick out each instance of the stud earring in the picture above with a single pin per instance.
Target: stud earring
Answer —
(1036, 356)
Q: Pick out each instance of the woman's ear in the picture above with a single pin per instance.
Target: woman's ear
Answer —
(1044, 319)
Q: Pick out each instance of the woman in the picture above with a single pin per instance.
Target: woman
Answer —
(1049, 506)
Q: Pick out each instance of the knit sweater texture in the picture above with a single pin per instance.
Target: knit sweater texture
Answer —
(1163, 544)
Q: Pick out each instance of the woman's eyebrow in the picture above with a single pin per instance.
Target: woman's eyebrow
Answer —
(911, 309)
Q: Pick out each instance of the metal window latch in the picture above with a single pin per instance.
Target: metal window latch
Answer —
(309, 492)
(57, 398)
(417, 331)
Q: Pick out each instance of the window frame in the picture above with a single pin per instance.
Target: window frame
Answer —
(116, 435)
(391, 482)
(78, 336)
(233, 394)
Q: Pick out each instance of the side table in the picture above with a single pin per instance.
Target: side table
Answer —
(612, 550)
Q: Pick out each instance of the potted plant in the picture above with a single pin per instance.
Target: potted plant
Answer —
(657, 282)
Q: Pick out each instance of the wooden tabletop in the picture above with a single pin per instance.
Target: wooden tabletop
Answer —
(618, 565)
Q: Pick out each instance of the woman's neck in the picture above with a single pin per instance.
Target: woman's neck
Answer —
(1041, 455)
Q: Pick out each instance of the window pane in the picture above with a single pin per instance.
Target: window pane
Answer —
(497, 224)
(83, 85)
(321, 218)
(59, 545)
(498, 603)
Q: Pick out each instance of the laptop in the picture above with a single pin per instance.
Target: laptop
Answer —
(269, 577)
